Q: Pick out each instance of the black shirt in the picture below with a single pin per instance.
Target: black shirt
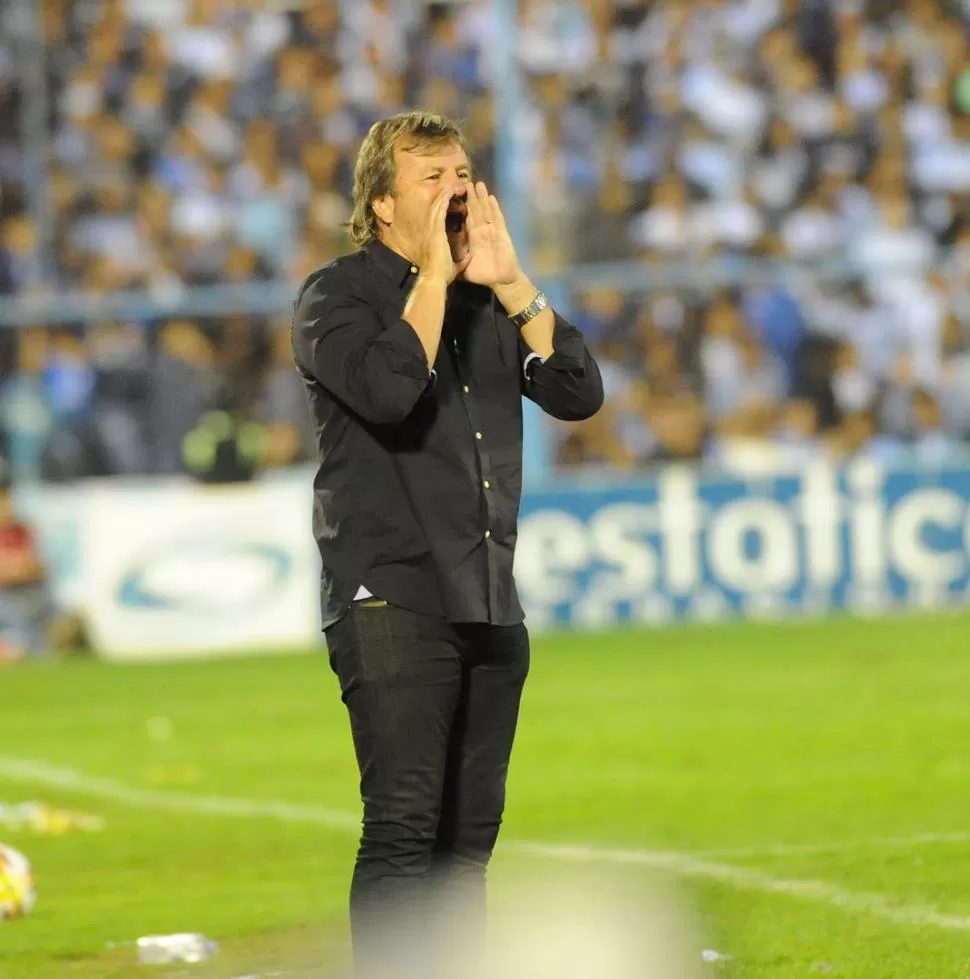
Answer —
(417, 494)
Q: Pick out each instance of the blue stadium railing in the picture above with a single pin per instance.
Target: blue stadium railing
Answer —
(272, 299)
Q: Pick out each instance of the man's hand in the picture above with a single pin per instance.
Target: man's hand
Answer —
(495, 264)
(434, 257)
(425, 308)
(491, 259)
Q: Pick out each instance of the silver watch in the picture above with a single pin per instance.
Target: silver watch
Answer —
(531, 311)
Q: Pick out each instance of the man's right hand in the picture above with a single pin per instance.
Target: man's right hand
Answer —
(425, 308)
(434, 257)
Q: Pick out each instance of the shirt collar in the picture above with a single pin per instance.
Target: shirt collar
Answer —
(396, 267)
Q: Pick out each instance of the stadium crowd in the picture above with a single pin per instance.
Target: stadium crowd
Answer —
(195, 142)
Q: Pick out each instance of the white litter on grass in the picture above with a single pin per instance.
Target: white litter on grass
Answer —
(709, 955)
(46, 820)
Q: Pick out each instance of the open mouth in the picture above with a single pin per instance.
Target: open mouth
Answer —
(455, 222)
(457, 231)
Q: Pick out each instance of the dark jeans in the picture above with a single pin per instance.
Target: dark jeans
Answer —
(433, 708)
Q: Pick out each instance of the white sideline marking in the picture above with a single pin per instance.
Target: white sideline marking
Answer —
(747, 879)
(835, 846)
(53, 776)
(678, 864)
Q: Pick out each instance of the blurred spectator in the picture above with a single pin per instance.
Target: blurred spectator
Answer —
(119, 357)
(855, 389)
(68, 378)
(21, 258)
(777, 322)
(182, 383)
(24, 608)
(933, 446)
(25, 413)
(283, 409)
(955, 380)
(74, 449)
(797, 433)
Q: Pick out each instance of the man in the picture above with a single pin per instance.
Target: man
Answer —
(416, 351)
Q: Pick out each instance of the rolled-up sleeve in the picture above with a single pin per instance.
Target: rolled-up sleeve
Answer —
(378, 369)
(567, 384)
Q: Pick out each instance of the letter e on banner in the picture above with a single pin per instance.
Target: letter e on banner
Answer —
(552, 547)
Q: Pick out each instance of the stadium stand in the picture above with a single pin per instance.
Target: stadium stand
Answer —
(196, 142)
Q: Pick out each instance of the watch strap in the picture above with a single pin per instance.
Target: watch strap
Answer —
(531, 311)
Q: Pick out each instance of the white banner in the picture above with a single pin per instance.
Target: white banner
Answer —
(176, 572)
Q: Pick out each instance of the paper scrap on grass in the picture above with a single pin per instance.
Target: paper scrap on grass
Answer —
(47, 820)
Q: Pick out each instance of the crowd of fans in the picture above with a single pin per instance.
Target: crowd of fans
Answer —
(195, 142)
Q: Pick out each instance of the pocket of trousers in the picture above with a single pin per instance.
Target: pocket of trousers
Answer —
(387, 644)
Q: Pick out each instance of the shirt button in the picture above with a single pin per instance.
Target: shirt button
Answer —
(487, 484)
(488, 534)
(478, 435)
(414, 269)
(466, 389)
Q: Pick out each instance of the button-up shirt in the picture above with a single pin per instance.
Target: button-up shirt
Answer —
(417, 493)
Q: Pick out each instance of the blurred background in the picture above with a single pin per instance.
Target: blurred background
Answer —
(756, 210)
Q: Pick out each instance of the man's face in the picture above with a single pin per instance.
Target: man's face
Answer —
(421, 174)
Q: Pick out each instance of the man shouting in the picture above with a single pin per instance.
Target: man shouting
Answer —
(416, 351)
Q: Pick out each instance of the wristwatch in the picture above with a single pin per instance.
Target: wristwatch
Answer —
(531, 311)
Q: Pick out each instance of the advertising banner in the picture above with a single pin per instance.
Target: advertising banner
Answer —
(178, 570)
(183, 570)
(683, 547)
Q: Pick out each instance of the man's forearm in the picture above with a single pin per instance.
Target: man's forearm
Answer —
(538, 332)
(425, 313)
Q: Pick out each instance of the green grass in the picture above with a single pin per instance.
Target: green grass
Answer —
(685, 740)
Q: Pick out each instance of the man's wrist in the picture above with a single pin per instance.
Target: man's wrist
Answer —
(515, 296)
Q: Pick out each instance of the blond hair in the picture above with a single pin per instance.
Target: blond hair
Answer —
(374, 172)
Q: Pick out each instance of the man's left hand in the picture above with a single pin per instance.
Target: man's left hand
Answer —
(493, 259)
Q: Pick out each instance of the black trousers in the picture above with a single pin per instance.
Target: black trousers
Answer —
(433, 709)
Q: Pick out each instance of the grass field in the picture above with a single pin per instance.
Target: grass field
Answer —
(808, 784)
